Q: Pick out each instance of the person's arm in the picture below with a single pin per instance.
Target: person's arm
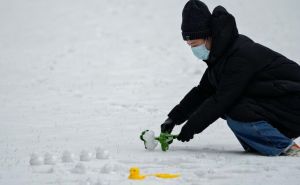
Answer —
(193, 99)
(234, 80)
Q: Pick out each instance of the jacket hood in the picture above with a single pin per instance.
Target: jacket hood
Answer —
(224, 33)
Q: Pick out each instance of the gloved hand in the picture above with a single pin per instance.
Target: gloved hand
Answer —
(167, 126)
(186, 134)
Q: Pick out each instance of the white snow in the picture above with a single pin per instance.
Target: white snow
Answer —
(76, 75)
(87, 182)
(99, 182)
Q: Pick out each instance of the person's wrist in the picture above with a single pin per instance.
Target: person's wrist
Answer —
(171, 121)
(167, 126)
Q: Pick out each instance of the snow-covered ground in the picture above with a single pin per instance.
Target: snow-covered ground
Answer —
(77, 75)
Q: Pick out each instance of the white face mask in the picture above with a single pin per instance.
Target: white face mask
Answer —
(201, 52)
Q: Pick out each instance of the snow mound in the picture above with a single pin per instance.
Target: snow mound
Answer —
(50, 159)
(108, 168)
(35, 160)
(86, 155)
(79, 169)
(101, 153)
(67, 157)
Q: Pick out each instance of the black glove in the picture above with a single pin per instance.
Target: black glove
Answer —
(167, 126)
(186, 134)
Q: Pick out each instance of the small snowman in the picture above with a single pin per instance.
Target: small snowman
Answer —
(67, 157)
(35, 160)
(86, 155)
(149, 139)
(101, 153)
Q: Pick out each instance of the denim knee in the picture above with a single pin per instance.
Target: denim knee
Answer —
(261, 136)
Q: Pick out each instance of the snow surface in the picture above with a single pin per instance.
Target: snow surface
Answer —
(77, 75)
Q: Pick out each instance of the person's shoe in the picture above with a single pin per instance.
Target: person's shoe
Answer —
(293, 151)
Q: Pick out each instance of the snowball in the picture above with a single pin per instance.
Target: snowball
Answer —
(149, 135)
(150, 142)
(107, 168)
(119, 167)
(86, 156)
(49, 159)
(79, 169)
(35, 160)
(67, 157)
(200, 173)
(102, 154)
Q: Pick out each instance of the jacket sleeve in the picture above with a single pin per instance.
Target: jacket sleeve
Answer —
(233, 81)
(192, 100)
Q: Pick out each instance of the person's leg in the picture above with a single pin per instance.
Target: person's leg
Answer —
(246, 147)
(260, 136)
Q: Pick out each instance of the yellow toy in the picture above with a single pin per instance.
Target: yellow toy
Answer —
(166, 175)
(134, 174)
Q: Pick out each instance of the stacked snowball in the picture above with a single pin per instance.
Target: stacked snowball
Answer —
(150, 142)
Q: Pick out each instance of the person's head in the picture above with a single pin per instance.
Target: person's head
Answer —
(195, 27)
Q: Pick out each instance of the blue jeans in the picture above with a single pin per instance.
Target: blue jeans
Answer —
(260, 137)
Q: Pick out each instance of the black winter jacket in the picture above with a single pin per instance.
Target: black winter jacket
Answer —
(245, 81)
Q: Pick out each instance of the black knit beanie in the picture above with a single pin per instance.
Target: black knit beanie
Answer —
(195, 20)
